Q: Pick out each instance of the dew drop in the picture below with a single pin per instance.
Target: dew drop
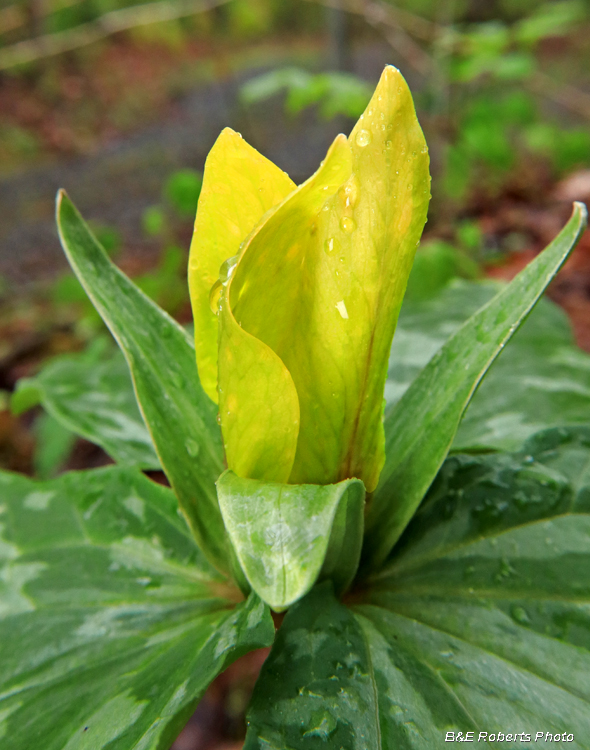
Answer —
(218, 418)
(192, 447)
(519, 614)
(363, 138)
(215, 297)
(342, 309)
(347, 224)
(349, 192)
(330, 246)
(388, 144)
(226, 269)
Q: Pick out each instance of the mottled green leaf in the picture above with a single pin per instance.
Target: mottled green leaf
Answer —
(421, 426)
(94, 399)
(179, 415)
(316, 690)
(112, 623)
(479, 622)
(483, 612)
(286, 535)
(54, 444)
(541, 380)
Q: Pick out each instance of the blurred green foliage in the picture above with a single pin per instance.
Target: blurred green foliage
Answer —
(182, 190)
(335, 93)
(436, 264)
(481, 103)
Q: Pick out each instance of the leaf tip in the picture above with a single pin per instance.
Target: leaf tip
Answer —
(59, 197)
(581, 209)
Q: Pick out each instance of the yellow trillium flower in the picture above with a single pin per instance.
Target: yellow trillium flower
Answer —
(296, 293)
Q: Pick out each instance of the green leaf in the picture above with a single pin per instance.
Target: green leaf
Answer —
(53, 445)
(316, 690)
(25, 396)
(421, 427)
(182, 190)
(94, 399)
(479, 622)
(541, 380)
(180, 417)
(285, 536)
(486, 599)
(112, 623)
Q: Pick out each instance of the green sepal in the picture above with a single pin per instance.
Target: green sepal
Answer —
(421, 426)
(180, 417)
(287, 536)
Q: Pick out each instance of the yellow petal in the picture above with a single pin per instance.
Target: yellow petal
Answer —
(258, 401)
(239, 187)
(321, 286)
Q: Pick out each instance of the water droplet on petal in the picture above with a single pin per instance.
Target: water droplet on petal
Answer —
(347, 224)
(363, 138)
(330, 246)
(349, 192)
(215, 297)
(341, 307)
(227, 268)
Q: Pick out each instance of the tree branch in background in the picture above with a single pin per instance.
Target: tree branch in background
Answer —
(563, 93)
(110, 23)
(399, 26)
(17, 15)
(388, 21)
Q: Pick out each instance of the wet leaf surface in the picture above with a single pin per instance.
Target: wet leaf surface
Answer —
(95, 400)
(480, 620)
(112, 623)
(285, 536)
(180, 416)
(421, 426)
(541, 379)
